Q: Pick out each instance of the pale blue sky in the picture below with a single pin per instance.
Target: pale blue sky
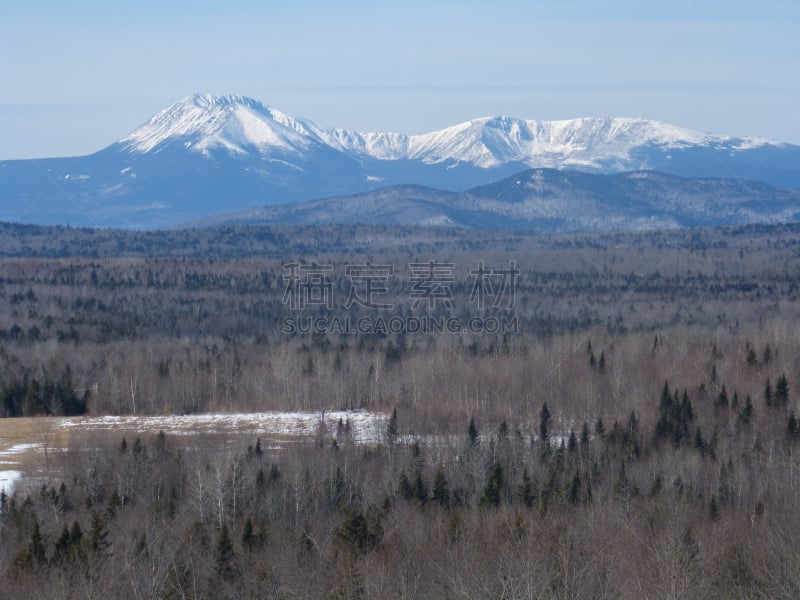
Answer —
(75, 77)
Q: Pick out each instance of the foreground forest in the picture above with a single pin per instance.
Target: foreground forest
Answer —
(635, 436)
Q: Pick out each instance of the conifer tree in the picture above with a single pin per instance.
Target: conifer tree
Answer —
(722, 398)
(391, 428)
(420, 488)
(441, 491)
(98, 535)
(572, 444)
(793, 427)
(404, 487)
(782, 391)
(36, 548)
(575, 489)
(526, 491)
(600, 428)
(544, 426)
(747, 410)
(472, 433)
(492, 493)
(224, 555)
(585, 436)
(248, 537)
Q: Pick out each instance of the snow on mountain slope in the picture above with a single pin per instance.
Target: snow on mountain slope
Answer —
(242, 125)
(235, 123)
(576, 142)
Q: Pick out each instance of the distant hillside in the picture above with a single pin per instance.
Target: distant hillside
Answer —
(547, 200)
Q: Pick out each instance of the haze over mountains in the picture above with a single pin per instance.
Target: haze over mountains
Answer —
(207, 155)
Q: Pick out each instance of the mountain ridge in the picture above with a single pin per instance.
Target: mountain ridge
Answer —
(207, 154)
(544, 200)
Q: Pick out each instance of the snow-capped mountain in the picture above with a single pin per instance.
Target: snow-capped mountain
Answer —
(209, 154)
(241, 125)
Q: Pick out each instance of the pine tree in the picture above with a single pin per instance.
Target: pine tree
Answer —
(404, 487)
(782, 391)
(502, 431)
(574, 489)
(752, 357)
(492, 493)
(224, 555)
(98, 534)
(36, 549)
(793, 427)
(420, 489)
(472, 433)
(526, 491)
(747, 410)
(544, 426)
(572, 444)
(391, 428)
(441, 492)
(599, 428)
(658, 485)
(722, 398)
(699, 442)
(585, 436)
(62, 545)
(248, 537)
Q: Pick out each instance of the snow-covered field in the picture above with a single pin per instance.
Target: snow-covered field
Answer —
(24, 442)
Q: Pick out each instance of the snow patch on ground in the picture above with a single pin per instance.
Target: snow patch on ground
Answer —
(365, 427)
(7, 481)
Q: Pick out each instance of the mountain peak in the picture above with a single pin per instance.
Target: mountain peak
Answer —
(211, 100)
(206, 123)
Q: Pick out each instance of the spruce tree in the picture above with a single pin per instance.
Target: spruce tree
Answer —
(575, 489)
(747, 410)
(36, 548)
(98, 534)
(441, 492)
(472, 433)
(420, 489)
(599, 428)
(572, 444)
(224, 555)
(492, 493)
(391, 428)
(544, 426)
(782, 391)
(793, 427)
(585, 436)
(248, 537)
(699, 442)
(404, 487)
(722, 398)
(526, 491)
